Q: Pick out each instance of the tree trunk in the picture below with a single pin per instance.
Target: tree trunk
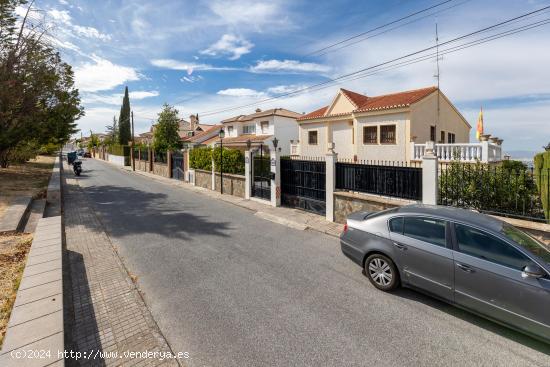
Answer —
(4, 158)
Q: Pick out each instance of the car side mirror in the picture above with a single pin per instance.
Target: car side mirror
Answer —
(532, 271)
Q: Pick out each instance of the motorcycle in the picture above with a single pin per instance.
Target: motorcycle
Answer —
(77, 167)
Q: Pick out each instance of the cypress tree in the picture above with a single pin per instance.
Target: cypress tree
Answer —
(124, 133)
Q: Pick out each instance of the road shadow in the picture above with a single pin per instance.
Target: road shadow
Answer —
(126, 211)
(472, 318)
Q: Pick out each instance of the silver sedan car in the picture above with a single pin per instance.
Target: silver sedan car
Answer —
(462, 257)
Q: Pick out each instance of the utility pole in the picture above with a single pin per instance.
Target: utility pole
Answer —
(438, 77)
(133, 144)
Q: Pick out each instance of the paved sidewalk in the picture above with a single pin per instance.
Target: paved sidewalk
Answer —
(294, 218)
(105, 310)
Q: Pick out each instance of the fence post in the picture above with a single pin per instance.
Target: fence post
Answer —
(275, 168)
(330, 182)
(169, 162)
(213, 173)
(149, 159)
(186, 165)
(247, 174)
(133, 162)
(429, 175)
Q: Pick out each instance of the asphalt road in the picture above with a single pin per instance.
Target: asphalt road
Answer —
(235, 290)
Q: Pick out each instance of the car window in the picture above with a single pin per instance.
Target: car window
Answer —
(484, 246)
(527, 242)
(396, 225)
(425, 229)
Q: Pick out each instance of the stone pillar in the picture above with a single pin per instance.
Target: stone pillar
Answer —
(169, 162)
(484, 151)
(213, 174)
(248, 174)
(429, 175)
(186, 165)
(132, 158)
(275, 165)
(150, 160)
(330, 185)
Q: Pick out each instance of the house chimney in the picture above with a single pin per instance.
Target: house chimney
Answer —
(194, 120)
(258, 110)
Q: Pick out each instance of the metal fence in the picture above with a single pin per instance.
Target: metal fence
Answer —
(396, 180)
(494, 189)
(144, 155)
(160, 157)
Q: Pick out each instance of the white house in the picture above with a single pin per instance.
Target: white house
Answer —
(391, 127)
(260, 128)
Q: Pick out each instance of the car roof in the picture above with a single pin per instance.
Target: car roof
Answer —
(457, 214)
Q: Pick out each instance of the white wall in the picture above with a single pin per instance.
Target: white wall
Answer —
(116, 159)
(342, 136)
(318, 150)
(285, 130)
(383, 152)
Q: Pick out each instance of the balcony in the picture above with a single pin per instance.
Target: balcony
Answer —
(484, 152)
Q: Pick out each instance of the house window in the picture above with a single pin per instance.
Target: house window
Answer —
(387, 134)
(370, 134)
(442, 137)
(432, 133)
(249, 129)
(229, 130)
(312, 137)
(265, 127)
(451, 138)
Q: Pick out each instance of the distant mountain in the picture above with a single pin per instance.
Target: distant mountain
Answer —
(521, 154)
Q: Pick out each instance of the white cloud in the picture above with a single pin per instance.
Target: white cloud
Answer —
(186, 66)
(289, 66)
(101, 74)
(63, 17)
(116, 99)
(191, 78)
(241, 92)
(91, 32)
(282, 89)
(242, 13)
(229, 44)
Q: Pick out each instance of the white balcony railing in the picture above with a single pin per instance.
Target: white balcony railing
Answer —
(294, 148)
(484, 152)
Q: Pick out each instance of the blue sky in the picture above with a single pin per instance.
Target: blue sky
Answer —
(209, 55)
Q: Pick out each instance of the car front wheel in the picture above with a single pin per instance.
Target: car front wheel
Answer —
(382, 272)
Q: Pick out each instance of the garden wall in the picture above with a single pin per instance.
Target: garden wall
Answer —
(116, 159)
(346, 203)
(161, 169)
(232, 184)
(203, 178)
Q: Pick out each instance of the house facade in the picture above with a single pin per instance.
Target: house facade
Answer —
(260, 128)
(384, 128)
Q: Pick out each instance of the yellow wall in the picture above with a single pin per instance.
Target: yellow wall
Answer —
(341, 104)
(387, 152)
(313, 150)
(424, 114)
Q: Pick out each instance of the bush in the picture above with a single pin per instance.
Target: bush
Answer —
(233, 159)
(498, 189)
(201, 158)
(542, 177)
(122, 150)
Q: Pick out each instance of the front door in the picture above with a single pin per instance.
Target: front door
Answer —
(261, 183)
(488, 279)
(426, 256)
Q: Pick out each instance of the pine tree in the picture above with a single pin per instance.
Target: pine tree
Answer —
(124, 130)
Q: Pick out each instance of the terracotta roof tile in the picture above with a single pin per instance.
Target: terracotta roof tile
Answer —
(387, 101)
(240, 140)
(317, 113)
(274, 111)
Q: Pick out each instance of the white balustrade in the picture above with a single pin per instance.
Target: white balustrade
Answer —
(466, 152)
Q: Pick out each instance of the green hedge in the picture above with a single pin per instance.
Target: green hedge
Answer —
(201, 158)
(542, 178)
(233, 159)
(122, 150)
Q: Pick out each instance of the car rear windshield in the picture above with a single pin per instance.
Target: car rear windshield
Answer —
(528, 242)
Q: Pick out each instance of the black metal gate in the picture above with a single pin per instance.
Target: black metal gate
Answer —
(303, 185)
(261, 185)
(177, 166)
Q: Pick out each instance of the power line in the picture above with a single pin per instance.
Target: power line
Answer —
(379, 27)
(360, 71)
(391, 29)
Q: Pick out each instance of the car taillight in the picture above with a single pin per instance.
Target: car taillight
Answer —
(345, 228)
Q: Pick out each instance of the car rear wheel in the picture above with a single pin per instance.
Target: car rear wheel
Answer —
(382, 272)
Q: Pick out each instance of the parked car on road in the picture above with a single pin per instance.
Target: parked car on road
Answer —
(87, 154)
(463, 257)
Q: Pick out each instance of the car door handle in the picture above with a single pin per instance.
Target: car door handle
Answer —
(466, 268)
(400, 246)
